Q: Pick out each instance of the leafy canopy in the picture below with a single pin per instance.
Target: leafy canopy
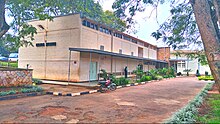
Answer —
(23, 10)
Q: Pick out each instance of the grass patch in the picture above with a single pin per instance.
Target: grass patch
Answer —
(18, 90)
(9, 64)
(213, 115)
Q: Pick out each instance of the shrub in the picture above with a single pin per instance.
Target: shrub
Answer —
(104, 74)
(33, 89)
(145, 78)
(179, 74)
(121, 81)
(36, 81)
(10, 92)
(197, 73)
(138, 72)
(205, 78)
(206, 73)
(158, 77)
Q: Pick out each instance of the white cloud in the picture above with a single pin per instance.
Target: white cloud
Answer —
(145, 24)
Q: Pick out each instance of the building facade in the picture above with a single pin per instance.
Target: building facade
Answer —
(74, 48)
(181, 62)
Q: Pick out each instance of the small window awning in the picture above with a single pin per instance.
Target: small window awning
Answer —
(114, 54)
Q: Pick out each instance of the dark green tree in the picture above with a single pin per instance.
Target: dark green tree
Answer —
(22, 11)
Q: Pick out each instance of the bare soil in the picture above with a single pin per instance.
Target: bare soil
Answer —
(150, 103)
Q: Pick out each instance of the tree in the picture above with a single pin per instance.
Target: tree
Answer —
(24, 10)
(190, 20)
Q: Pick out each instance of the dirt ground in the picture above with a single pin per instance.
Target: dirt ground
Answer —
(153, 103)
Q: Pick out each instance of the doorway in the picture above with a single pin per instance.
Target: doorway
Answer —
(93, 71)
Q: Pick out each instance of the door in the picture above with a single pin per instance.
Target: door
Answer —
(93, 70)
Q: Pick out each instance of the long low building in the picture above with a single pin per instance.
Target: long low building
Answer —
(74, 48)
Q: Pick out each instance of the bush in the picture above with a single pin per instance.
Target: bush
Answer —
(138, 72)
(145, 78)
(33, 89)
(36, 81)
(179, 74)
(205, 78)
(10, 92)
(197, 73)
(104, 74)
(158, 77)
(121, 81)
(206, 73)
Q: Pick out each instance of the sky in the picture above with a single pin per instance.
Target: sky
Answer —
(145, 24)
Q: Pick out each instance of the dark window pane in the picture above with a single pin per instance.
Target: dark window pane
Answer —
(40, 44)
(84, 22)
(51, 44)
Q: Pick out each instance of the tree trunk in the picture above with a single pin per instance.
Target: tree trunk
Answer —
(209, 34)
(3, 25)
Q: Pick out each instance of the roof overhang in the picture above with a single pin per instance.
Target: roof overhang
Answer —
(113, 54)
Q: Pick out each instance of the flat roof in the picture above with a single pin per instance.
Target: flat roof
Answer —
(113, 54)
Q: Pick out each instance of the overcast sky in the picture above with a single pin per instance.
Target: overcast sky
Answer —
(145, 24)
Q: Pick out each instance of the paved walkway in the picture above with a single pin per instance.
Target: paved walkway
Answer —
(152, 102)
(85, 84)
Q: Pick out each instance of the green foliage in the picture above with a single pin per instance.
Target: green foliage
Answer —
(24, 89)
(104, 74)
(138, 72)
(158, 77)
(206, 78)
(206, 73)
(121, 81)
(213, 116)
(33, 89)
(9, 64)
(36, 81)
(188, 113)
(145, 78)
(10, 92)
(20, 11)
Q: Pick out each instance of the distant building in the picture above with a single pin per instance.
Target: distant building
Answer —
(181, 62)
(74, 48)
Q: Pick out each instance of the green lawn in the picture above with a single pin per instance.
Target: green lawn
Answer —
(213, 116)
(11, 64)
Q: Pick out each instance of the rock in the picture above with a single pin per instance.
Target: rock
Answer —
(73, 121)
(59, 117)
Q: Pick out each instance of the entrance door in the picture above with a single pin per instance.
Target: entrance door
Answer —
(93, 70)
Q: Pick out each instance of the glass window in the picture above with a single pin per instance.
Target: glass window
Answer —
(120, 51)
(92, 26)
(84, 22)
(101, 47)
(88, 24)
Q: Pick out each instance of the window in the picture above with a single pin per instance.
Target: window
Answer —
(184, 65)
(51, 44)
(87, 24)
(134, 41)
(118, 35)
(40, 44)
(181, 64)
(120, 51)
(92, 26)
(84, 22)
(101, 29)
(101, 47)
